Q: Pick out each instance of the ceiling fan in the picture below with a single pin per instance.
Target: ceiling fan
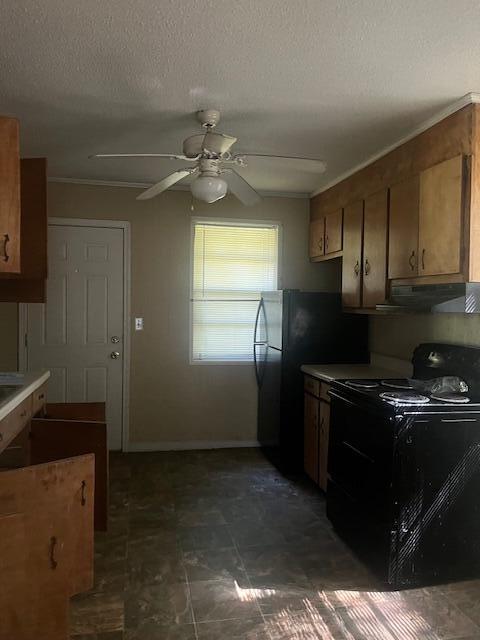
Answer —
(213, 164)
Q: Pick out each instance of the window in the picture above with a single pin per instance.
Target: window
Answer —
(232, 263)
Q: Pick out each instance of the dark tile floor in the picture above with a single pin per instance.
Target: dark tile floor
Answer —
(214, 545)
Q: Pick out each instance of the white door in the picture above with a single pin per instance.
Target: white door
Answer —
(78, 333)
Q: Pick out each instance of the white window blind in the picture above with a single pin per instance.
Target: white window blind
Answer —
(232, 264)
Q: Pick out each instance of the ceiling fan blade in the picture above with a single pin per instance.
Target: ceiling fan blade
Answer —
(172, 156)
(165, 184)
(306, 164)
(241, 189)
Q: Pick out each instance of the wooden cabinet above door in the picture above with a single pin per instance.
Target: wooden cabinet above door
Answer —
(352, 255)
(375, 220)
(441, 218)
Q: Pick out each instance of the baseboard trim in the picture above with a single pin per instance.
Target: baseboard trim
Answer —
(191, 445)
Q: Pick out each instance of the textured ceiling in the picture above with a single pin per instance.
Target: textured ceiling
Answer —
(331, 79)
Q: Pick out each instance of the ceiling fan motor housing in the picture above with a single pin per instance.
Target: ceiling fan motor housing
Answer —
(213, 144)
(208, 118)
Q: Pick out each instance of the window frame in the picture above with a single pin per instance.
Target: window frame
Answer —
(233, 222)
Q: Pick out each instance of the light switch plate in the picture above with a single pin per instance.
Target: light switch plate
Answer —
(138, 324)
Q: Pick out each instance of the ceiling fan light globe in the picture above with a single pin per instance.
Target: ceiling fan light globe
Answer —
(209, 188)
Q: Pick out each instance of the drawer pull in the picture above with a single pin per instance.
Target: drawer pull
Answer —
(4, 255)
(53, 544)
(84, 499)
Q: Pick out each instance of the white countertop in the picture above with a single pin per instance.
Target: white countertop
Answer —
(380, 367)
(30, 382)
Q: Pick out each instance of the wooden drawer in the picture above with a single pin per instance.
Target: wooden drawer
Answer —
(312, 385)
(324, 389)
(13, 424)
(39, 398)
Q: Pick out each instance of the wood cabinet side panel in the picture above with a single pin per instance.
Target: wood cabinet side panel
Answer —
(324, 430)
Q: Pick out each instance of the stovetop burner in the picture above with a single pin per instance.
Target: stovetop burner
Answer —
(454, 398)
(404, 397)
(397, 383)
(362, 384)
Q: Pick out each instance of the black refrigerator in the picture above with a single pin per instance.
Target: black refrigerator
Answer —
(293, 328)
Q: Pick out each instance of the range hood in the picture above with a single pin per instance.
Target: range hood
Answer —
(461, 297)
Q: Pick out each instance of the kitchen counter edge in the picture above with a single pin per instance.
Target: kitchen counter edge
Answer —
(32, 381)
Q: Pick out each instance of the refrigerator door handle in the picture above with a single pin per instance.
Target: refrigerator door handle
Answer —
(256, 323)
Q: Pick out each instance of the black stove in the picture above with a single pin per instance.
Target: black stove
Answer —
(404, 468)
(399, 396)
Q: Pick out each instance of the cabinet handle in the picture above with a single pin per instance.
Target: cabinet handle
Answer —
(84, 499)
(4, 255)
(411, 261)
(53, 544)
(423, 259)
(367, 267)
(41, 396)
(356, 268)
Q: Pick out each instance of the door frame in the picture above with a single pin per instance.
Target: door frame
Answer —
(22, 311)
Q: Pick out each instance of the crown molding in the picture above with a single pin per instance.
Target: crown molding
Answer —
(146, 185)
(464, 101)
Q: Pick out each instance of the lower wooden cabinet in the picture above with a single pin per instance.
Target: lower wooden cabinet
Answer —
(316, 430)
(50, 509)
(310, 437)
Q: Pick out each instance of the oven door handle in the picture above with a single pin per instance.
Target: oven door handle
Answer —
(357, 451)
(337, 396)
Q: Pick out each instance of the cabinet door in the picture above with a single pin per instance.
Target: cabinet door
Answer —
(333, 231)
(317, 233)
(440, 218)
(352, 255)
(53, 524)
(403, 229)
(375, 248)
(9, 196)
(69, 430)
(310, 439)
(324, 430)
(29, 285)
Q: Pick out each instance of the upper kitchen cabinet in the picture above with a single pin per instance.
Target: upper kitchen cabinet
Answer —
(333, 232)
(316, 238)
(29, 285)
(9, 196)
(352, 254)
(422, 226)
(403, 229)
(441, 218)
(375, 220)
(325, 239)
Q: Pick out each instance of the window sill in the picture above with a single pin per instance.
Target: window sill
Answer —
(221, 362)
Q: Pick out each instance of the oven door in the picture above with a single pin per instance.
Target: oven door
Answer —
(360, 460)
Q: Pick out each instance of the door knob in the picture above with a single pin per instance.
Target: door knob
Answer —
(115, 339)
(115, 355)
